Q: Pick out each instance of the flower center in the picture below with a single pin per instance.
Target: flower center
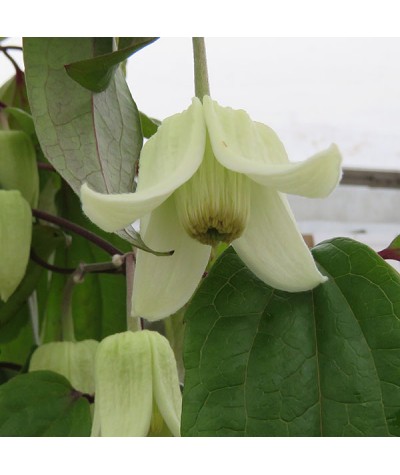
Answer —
(213, 206)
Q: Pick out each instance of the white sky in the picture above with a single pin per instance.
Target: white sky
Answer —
(311, 91)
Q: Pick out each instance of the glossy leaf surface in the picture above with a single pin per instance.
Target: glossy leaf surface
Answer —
(261, 362)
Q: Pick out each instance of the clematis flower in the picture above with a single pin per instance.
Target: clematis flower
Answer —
(137, 387)
(211, 174)
(15, 240)
(74, 360)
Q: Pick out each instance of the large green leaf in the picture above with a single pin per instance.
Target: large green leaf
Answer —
(44, 404)
(96, 73)
(262, 362)
(93, 138)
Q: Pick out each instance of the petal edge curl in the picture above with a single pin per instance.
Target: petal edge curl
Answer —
(253, 149)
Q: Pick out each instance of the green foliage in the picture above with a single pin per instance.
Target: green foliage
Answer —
(13, 92)
(258, 362)
(93, 138)
(16, 338)
(99, 303)
(44, 404)
(23, 119)
(18, 165)
(44, 241)
(395, 244)
(261, 362)
(87, 137)
(95, 74)
(149, 125)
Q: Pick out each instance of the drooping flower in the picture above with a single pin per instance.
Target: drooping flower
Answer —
(211, 174)
(15, 240)
(73, 360)
(137, 387)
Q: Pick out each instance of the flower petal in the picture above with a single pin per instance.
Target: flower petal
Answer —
(254, 149)
(168, 159)
(237, 141)
(124, 388)
(272, 246)
(316, 177)
(166, 390)
(74, 360)
(163, 284)
(15, 240)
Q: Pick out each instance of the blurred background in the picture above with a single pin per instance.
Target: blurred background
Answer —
(312, 92)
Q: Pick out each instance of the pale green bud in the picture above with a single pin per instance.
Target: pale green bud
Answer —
(18, 167)
(15, 240)
(73, 360)
(137, 387)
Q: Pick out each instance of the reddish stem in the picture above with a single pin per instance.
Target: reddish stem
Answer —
(64, 223)
(392, 254)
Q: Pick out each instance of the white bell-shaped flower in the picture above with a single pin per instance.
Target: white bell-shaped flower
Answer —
(73, 360)
(137, 387)
(211, 174)
(15, 240)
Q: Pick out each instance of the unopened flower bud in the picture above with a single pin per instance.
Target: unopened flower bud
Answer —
(73, 360)
(137, 387)
(15, 240)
